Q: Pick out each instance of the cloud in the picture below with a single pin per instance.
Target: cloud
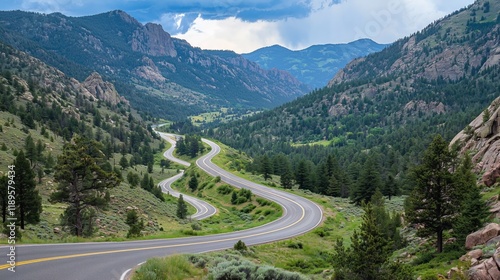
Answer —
(244, 25)
(328, 22)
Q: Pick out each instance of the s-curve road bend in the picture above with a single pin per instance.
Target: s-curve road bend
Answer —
(109, 260)
(203, 209)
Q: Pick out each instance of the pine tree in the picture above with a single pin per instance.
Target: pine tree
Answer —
(136, 225)
(368, 182)
(28, 201)
(286, 178)
(266, 167)
(474, 210)
(370, 246)
(82, 181)
(181, 208)
(193, 183)
(390, 188)
(435, 200)
(123, 162)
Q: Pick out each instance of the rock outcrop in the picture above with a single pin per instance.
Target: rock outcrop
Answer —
(483, 135)
(151, 39)
(485, 265)
(102, 90)
(482, 236)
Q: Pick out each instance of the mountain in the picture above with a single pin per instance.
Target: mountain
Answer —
(41, 109)
(434, 81)
(315, 65)
(155, 72)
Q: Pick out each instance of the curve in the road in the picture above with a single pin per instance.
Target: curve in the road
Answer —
(108, 260)
(203, 209)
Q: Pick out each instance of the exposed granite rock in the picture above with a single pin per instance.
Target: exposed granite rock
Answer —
(482, 236)
(483, 137)
(487, 270)
(102, 90)
(151, 39)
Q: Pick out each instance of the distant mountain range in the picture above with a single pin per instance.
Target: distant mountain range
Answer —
(316, 65)
(155, 72)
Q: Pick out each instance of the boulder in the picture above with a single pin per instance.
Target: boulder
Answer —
(482, 236)
(488, 270)
(57, 230)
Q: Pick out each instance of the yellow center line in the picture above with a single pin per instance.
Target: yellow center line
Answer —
(5, 266)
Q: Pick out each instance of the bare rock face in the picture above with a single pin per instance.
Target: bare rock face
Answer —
(483, 136)
(151, 39)
(487, 270)
(482, 236)
(102, 90)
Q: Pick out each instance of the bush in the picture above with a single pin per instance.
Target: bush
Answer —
(240, 246)
(225, 189)
(263, 202)
(249, 208)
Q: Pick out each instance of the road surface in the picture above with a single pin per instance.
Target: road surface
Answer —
(109, 260)
(203, 209)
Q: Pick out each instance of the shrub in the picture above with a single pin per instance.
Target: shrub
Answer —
(225, 189)
(249, 208)
(240, 246)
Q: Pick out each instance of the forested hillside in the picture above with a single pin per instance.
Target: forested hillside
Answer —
(386, 106)
(155, 72)
(54, 131)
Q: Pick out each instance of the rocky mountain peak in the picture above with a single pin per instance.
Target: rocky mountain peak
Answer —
(151, 39)
(124, 16)
(103, 90)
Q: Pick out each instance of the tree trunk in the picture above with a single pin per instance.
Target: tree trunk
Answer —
(439, 240)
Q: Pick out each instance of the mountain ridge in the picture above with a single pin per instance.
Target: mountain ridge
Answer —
(316, 64)
(146, 61)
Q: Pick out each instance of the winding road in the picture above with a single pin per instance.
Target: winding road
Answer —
(203, 209)
(109, 260)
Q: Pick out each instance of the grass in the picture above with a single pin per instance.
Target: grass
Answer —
(175, 267)
(229, 217)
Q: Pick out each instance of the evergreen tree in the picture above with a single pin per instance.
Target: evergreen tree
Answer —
(28, 201)
(474, 210)
(123, 162)
(133, 179)
(368, 182)
(390, 187)
(286, 178)
(234, 197)
(136, 225)
(368, 256)
(266, 168)
(82, 180)
(145, 182)
(181, 208)
(435, 201)
(193, 183)
(303, 176)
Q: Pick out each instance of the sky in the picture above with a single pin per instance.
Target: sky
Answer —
(246, 25)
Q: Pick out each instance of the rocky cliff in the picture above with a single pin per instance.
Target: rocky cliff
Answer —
(482, 138)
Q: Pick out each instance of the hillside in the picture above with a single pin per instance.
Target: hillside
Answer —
(390, 102)
(41, 109)
(315, 65)
(155, 72)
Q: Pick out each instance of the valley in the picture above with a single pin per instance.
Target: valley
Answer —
(140, 156)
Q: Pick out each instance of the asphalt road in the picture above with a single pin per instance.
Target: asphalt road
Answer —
(109, 260)
(203, 209)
